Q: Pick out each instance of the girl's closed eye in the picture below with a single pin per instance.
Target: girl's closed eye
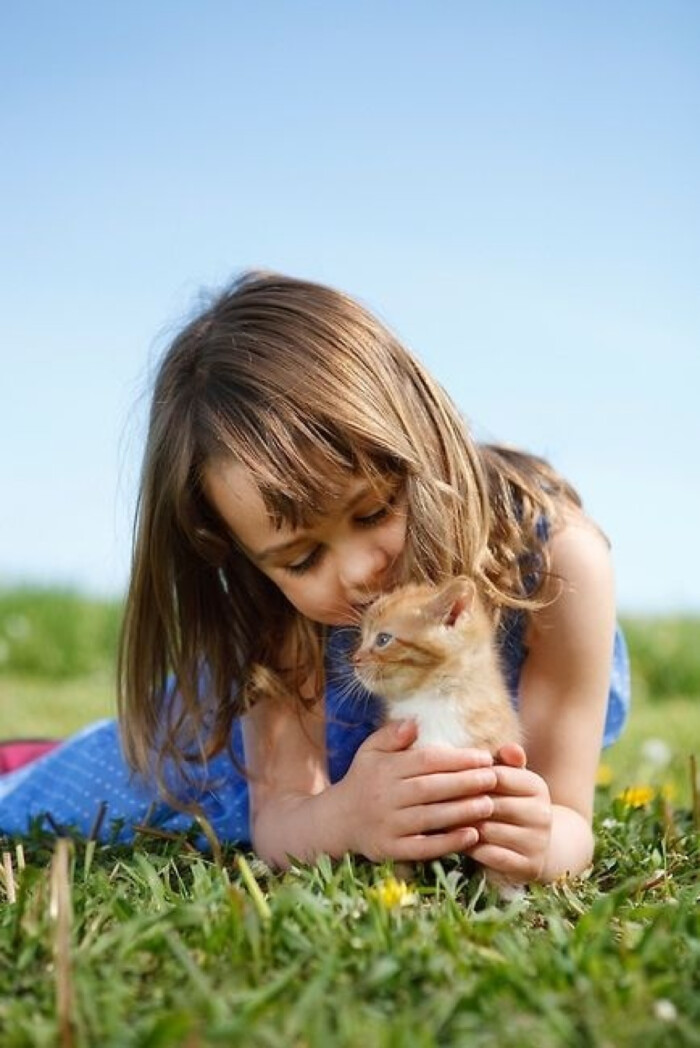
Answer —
(367, 520)
(370, 519)
(309, 560)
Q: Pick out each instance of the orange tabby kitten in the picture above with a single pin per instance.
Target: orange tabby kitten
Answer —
(429, 653)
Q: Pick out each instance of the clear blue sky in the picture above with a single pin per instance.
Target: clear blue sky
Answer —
(513, 186)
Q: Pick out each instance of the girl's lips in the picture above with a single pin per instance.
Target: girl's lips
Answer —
(354, 613)
(361, 606)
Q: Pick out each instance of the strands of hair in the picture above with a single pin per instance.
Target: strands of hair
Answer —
(304, 387)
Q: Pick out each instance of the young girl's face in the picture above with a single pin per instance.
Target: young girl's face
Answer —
(332, 568)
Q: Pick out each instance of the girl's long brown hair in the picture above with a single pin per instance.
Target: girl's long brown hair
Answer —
(304, 387)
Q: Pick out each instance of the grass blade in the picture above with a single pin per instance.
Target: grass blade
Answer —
(61, 912)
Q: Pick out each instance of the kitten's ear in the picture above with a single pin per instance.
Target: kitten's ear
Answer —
(454, 599)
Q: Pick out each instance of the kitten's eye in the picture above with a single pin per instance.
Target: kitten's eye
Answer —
(383, 640)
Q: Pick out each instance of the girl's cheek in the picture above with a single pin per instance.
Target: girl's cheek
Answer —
(396, 540)
(304, 594)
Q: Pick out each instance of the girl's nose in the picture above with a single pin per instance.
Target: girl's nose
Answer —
(362, 569)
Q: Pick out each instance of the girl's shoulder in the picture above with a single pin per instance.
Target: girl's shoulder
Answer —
(579, 590)
(577, 543)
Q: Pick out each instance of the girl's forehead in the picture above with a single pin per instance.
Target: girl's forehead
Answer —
(246, 505)
(232, 491)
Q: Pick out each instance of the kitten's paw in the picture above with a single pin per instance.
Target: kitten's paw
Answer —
(405, 871)
(507, 890)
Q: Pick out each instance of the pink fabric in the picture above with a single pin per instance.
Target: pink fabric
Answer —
(19, 752)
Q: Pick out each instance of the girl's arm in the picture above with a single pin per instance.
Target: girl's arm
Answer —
(393, 802)
(541, 827)
(284, 759)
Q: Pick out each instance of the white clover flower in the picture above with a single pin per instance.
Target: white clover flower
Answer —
(657, 752)
(665, 1010)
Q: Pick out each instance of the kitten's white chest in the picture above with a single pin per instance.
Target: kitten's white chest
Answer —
(439, 718)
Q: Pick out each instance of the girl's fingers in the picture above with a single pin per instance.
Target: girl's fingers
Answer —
(418, 848)
(391, 737)
(429, 818)
(532, 813)
(514, 848)
(518, 782)
(431, 789)
(505, 835)
(430, 760)
(518, 865)
(513, 754)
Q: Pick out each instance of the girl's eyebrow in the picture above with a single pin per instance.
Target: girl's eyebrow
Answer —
(299, 540)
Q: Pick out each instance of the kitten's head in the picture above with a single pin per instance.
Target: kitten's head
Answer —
(411, 636)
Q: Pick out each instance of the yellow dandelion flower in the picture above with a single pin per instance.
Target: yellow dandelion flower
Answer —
(391, 893)
(604, 775)
(637, 796)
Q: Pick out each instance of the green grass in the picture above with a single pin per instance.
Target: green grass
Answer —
(56, 634)
(656, 747)
(57, 661)
(665, 656)
(157, 945)
(31, 706)
(165, 947)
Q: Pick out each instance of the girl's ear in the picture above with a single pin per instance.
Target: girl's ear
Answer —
(452, 600)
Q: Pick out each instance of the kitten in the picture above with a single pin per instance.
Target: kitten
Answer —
(428, 652)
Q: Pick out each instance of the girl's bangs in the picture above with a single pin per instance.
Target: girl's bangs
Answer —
(301, 465)
(299, 496)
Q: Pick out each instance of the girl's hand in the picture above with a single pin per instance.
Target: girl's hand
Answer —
(514, 840)
(414, 804)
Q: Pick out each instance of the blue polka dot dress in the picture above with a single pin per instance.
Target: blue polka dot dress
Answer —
(88, 771)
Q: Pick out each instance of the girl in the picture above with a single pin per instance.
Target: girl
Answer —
(299, 463)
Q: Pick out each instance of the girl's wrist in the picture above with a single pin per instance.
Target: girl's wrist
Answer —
(335, 820)
(303, 825)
